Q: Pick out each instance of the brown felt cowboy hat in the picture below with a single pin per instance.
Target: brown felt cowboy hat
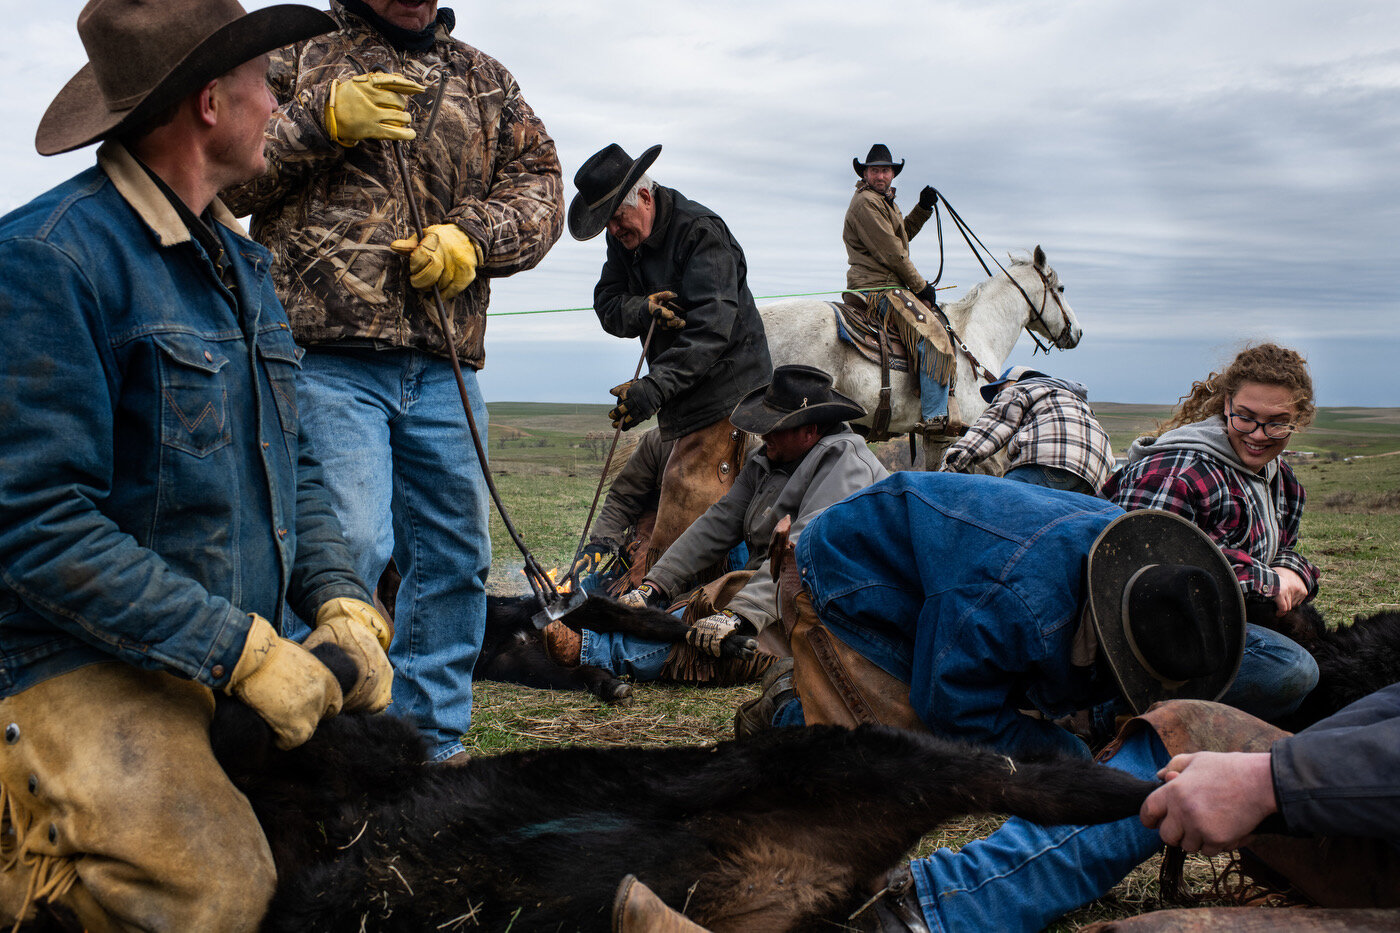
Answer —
(879, 155)
(797, 395)
(145, 55)
(1166, 608)
(602, 182)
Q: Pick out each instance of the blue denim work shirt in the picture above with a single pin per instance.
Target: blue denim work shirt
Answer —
(155, 488)
(968, 588)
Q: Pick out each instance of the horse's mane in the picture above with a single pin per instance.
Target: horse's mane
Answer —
(1016, 259)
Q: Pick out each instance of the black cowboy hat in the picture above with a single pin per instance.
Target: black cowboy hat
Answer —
(879, 155)
(145, 55)
(602, 182)
(797, 395)
(1166, 607)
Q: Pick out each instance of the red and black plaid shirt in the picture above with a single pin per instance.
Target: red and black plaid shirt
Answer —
(1218, 500)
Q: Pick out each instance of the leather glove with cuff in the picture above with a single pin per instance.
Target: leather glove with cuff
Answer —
(284, 684)
(661, 308)
(648, 594)
(637, 401)
(928, 197)
(358, 629)
(708, 633)
(371, 106)
(445, 257)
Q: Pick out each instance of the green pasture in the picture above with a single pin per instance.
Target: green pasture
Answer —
(548, 459)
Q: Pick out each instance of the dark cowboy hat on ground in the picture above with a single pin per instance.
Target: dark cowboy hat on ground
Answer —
(879, 155)
(1166, 607)
(797, 395)
(1010, 374)
(602, 182)
(145, 55)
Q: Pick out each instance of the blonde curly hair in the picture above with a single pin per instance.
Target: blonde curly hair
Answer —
(1266, 363)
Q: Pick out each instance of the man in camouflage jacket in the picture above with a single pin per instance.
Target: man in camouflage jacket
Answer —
(379, 398)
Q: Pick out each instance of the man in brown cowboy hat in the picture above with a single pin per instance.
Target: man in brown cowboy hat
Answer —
(877, 239)
(161, 513)
(673, 259)
(378, 393)
(810, 458)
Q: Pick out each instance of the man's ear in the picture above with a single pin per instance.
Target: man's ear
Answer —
(207, 103)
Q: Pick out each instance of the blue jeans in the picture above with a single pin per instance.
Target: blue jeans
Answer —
(1023, 876)
(635, 657)
(933, 395)
(403, 477)
(1051, 478)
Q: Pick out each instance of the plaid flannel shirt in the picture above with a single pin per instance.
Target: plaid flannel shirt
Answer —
(1038, 422)
(1216, 498)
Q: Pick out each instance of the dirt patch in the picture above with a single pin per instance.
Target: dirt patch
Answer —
(1350, 501)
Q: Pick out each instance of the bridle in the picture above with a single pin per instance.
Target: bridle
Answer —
(1059, 341)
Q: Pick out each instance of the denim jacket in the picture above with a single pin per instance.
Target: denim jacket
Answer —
(155, 488)
(969, 589)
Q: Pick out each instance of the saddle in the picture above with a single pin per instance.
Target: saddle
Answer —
(884, 327)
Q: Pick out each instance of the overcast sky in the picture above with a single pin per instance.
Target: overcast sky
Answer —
(1200, 174)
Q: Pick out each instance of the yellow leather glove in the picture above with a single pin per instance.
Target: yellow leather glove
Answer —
(370, 106)
(284, 684)
(359, 629)
(661, 308)
(446, 257)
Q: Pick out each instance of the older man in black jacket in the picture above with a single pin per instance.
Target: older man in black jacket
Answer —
(674, 260)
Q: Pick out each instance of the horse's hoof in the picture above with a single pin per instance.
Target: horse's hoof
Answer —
(744, 647)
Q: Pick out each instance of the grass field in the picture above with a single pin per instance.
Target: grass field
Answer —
(547, 459)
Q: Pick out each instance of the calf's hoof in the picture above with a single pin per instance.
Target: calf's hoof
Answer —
(744, 647)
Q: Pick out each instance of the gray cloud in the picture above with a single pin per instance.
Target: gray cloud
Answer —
(1199, 174)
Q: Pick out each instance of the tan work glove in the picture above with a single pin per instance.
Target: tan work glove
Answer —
(659, 304)
(708, 633)
(358, 628)
(370, 106)
(284, 684)
(642, 596)
(446, 257)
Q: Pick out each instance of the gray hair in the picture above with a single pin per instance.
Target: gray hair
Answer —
(643, 182)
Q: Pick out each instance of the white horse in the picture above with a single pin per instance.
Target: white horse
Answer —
(988, 321)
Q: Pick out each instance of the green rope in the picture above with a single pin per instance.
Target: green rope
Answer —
(882, 288)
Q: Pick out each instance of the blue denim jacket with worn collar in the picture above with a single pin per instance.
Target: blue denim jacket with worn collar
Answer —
(969, 589)
(155, 488)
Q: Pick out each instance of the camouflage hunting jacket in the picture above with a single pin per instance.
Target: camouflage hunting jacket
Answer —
(877, 239)
(328, 213)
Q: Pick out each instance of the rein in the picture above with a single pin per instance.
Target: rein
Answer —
(1037, 313)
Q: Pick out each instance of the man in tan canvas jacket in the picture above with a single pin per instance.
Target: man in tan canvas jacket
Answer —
(877, 235)
(379, 398)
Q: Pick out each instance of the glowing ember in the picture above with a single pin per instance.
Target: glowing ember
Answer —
(559, 578)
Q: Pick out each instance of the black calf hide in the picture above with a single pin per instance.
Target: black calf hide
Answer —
(779, 832)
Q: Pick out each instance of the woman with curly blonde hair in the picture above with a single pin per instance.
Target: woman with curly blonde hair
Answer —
(1216, 462)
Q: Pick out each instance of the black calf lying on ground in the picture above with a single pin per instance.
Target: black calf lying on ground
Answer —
(779, 832)
(1352, 662)
(513, 650)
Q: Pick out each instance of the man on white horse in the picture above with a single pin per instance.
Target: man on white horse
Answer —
(877, 239)
(675, 261)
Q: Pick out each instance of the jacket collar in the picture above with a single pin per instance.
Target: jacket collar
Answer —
(665, 207)
(147, 200)
(865, 186)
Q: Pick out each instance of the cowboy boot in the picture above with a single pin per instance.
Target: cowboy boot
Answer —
(756, 715)
(637, 909)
